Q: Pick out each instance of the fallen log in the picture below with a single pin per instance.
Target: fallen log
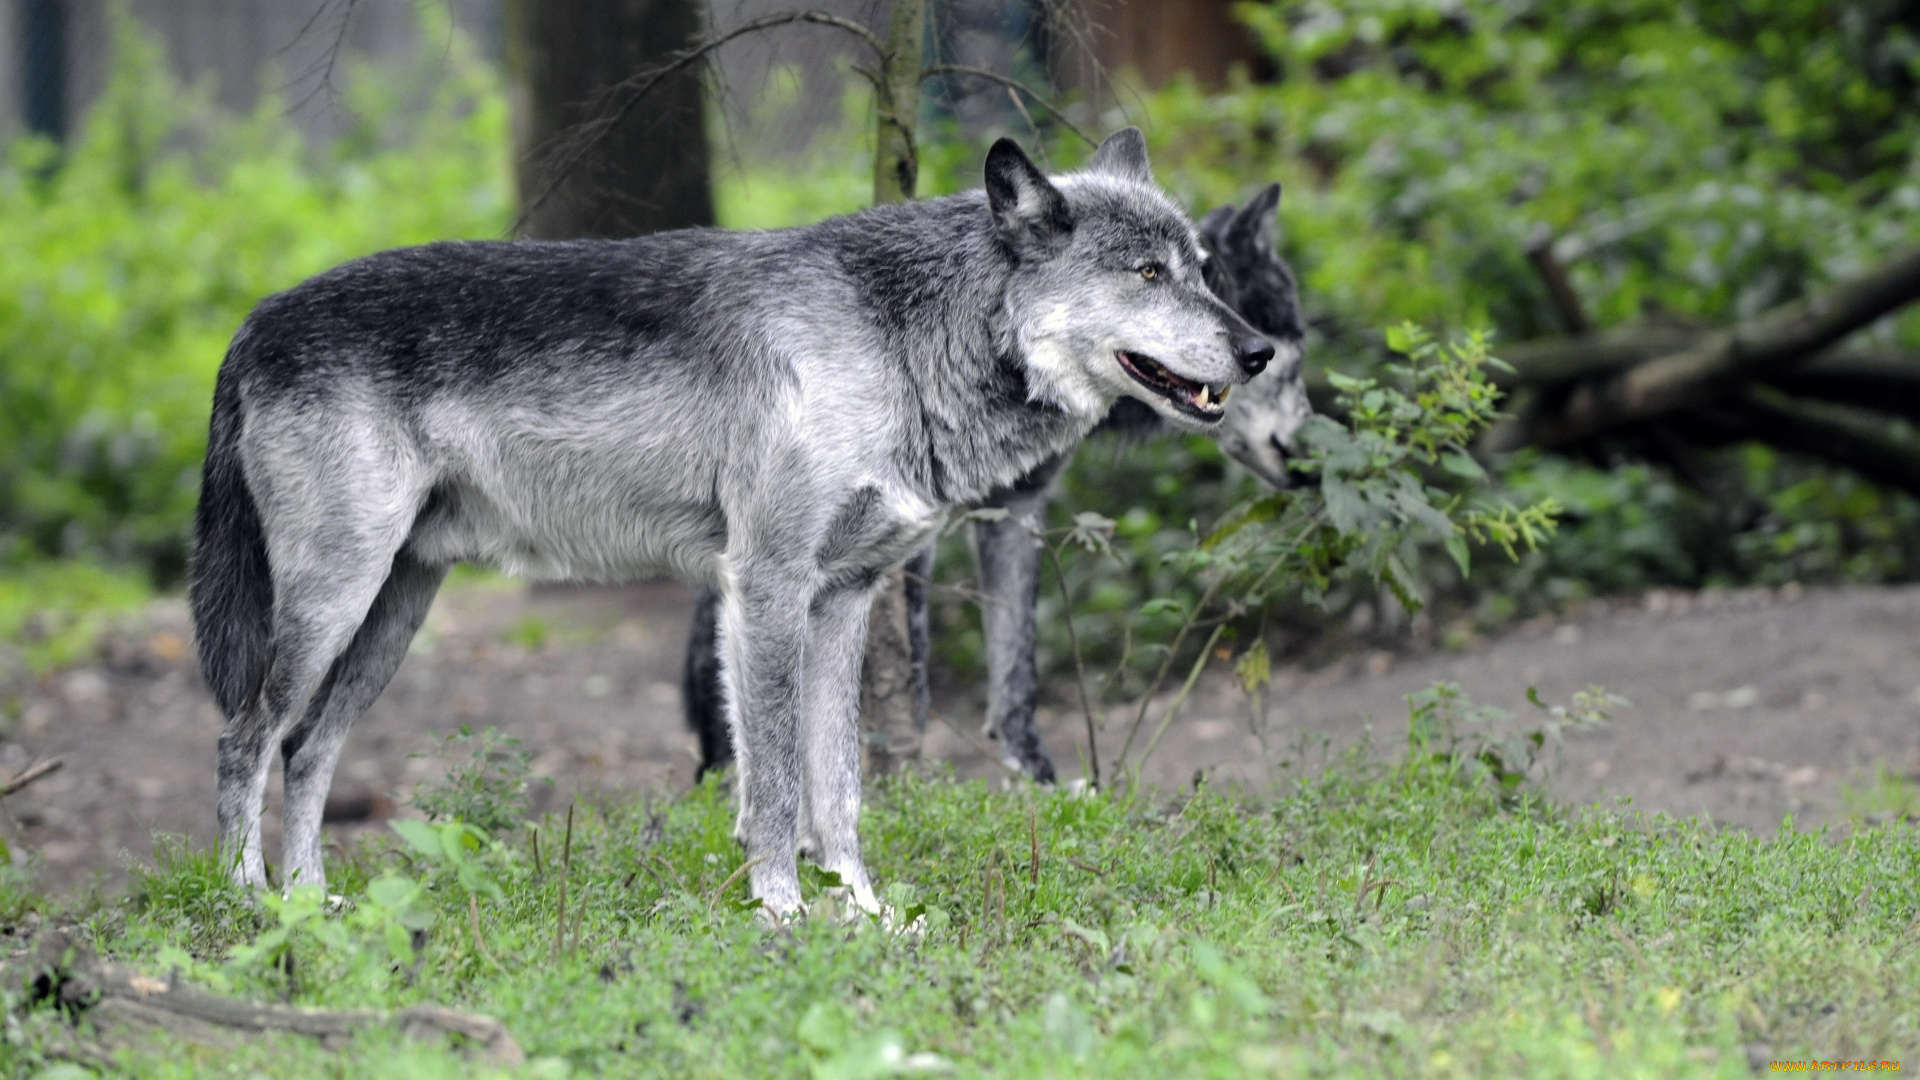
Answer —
(125, 1008)
(1882, 449)
(1724, 360)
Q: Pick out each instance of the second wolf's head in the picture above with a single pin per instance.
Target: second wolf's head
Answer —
(1249, 274)
(1108, 296)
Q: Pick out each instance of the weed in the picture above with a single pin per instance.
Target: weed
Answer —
(488, 790)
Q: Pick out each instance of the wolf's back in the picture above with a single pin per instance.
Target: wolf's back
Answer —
(232, 588)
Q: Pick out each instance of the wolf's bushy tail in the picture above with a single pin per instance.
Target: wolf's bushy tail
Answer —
(232, 585)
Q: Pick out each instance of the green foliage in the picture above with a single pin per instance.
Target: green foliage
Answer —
(188, 899)
(1691, 162)
(487, 791)
(303, 938)
(127, 262)
(54, 611)
(1441, 722)
(1393, 482)
(1671, 148)
(455, 847)
(1411, 918)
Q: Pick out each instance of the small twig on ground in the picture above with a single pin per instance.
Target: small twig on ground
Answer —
(1078, 865)
(714, 900)
(33, 772)
(1193, 676)
(1033, 839)
(566, 868)
(1627, 940)
(978, 746)
(1166, 665)
(1292, 897)
(671, 869)
(1079, 672)
(480, 943)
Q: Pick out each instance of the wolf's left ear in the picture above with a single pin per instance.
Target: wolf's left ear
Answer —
(1028, 211)
(1124, 155)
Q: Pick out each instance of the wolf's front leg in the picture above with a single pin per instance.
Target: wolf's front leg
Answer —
(830, 736)
(763, 637)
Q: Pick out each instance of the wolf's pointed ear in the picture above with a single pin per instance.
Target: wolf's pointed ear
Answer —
(1253, 225)
(1215, 225)
(1124, 155)
(1028, 211)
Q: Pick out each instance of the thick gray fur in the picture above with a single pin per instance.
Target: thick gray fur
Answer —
(1244, 269)
(782, 415)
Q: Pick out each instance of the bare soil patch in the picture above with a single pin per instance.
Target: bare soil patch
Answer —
(1748, 706)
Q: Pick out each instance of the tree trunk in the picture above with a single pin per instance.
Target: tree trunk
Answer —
(647, 172)
(896, 103)
(892, 723)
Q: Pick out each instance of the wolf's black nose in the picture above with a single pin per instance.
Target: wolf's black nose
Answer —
(1253, 354)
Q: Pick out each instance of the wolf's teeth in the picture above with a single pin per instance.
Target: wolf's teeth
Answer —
(1220, 395)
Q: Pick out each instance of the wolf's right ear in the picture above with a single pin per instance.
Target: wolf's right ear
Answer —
(1124, 154)
(1029, 213)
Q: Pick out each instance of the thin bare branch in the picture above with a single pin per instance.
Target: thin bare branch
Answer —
(1566, 302)
(1010, 83)
(1079, 671)
(32, 773)
(1186, 688)
(630, 92)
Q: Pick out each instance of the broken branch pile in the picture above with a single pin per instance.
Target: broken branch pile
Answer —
(1787, 378)
(114, 1007)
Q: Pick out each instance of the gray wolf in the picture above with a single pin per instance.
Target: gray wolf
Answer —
(782, 415)
(1244, 270)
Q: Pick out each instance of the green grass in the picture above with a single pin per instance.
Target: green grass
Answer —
(1377, 919)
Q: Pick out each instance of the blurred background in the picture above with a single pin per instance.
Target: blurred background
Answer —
(1552, 171)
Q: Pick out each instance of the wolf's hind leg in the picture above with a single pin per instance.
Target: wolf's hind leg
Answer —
(700, 688)
(328, 569)
(312, 749)
(830, 736)
(1008, 556)
(763, 637)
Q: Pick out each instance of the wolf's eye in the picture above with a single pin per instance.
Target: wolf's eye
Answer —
(1150, 271)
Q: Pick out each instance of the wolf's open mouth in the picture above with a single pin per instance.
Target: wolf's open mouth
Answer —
(1194, 398)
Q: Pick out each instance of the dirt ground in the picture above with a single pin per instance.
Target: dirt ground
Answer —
(1747, 706)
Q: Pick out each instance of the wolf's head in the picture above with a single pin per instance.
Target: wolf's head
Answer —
(1108, 295)
(1245, 271)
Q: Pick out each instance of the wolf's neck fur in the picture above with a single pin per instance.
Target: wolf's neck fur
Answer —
(936, 275)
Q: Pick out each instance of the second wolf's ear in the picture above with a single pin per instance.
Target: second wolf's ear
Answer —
(1124, 155)
(1029, 213)
(1253, 225)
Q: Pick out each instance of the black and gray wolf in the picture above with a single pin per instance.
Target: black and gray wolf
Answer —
(783, 415)
(1243, 269)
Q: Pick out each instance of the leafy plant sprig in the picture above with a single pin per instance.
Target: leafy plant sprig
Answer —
(1398, 475)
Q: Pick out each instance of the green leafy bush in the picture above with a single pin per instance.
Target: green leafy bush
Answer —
(487, 791)
(127, 261)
